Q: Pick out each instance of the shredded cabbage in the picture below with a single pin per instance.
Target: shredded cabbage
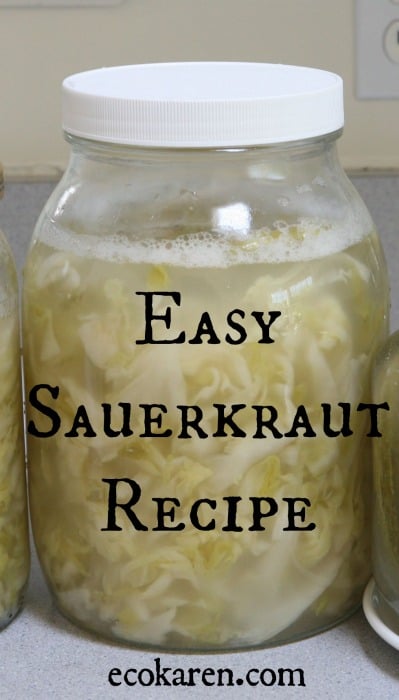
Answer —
(14, 552)
(193, 588)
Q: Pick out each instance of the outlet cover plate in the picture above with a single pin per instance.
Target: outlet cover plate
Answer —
(377, 62)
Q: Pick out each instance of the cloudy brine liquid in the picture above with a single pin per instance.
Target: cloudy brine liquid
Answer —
(204, 584)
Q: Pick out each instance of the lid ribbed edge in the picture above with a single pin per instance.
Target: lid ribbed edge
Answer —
(211, 104)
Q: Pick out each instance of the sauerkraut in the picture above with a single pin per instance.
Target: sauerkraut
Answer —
(14, 552)
(191, 588)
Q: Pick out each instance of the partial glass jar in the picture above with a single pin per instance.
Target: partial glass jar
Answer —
(204, 297)
(382, 595)
(14, 542)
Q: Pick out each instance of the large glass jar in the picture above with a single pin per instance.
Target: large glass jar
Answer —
(14, 542)
(204, 297)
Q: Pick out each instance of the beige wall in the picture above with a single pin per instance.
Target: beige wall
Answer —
(39, 47)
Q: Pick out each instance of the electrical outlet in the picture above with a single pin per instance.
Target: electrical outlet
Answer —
(377, 49)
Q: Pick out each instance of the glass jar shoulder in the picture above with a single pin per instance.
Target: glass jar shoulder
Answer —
(229, 193)
(8, 277)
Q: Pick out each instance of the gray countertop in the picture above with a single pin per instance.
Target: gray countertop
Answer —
(44, 656)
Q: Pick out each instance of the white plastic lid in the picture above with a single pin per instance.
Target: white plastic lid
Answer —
(199, 105)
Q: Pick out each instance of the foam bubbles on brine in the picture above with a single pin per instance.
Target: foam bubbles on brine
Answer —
(282, 242)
